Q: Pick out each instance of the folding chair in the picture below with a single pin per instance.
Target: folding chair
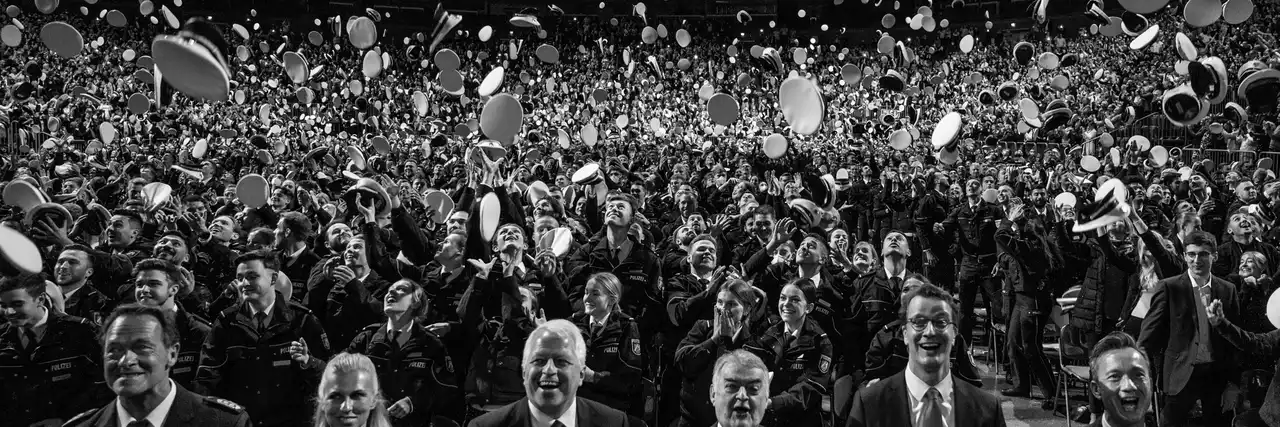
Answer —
(1066, 349)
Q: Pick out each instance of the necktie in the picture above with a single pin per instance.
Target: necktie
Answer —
(931, 415)
(30, 346)
(260, 322)
(395, 339)
(897, 283)
(557, 423)
(595, 330)
(139, 423)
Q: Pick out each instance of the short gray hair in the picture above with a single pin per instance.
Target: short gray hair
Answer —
(563, 328)
(740, 358)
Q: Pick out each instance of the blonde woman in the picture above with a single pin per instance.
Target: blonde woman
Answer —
(348, 394)
(613, 344)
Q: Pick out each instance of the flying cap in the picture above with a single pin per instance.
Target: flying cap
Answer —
(194, 61)
(1181, 106)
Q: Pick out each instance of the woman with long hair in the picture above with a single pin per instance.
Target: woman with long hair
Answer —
(799, 355)
(1255, 289)
(738, 308)
(349, 394)
(612, 373)
(1157, 260)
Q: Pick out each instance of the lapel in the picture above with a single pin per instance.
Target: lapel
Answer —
(183, 409)
(965, 403)
(897, 396)
(584, 414)
(520, 414)
(107, 417)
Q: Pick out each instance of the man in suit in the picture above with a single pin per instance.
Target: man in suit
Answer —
(740, 389)
(554, 357)
(1196, 361)
(926, 394)
(1121, 381)
(140, 348)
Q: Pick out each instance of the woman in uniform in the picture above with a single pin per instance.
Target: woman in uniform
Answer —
(798, 353)
(417, 374)
(613, 345)
(738, 310)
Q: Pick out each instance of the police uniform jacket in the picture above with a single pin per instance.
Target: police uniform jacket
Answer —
(875, 304)
(193, 329)
(640, 274)
(88, 303)
(837, 295)
(801, 366)
(696, 359)
(614, 353)
(496, 326)
(60, 377)
(255, 369)
(419, 369)
(689, 299)
(188, 410)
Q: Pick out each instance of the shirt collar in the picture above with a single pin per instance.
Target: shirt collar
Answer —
(296, 254)
(795, 333)
(270, 308)
(603, 321)
(407, 327)
(917, 388)
(38, 328)
(902, 275)
(1197, 286)
(569, 419)
(157, 415)
(816, 278)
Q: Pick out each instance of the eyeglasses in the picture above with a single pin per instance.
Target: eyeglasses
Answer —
(938, 324)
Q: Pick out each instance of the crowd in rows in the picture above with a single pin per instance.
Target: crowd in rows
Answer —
(668, 239)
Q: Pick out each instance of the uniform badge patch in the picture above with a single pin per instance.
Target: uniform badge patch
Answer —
(635, 346)
(824, 364)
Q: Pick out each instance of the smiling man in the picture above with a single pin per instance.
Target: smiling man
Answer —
(926, 394)
(554, 358)
(1121, 381)
(141, 346)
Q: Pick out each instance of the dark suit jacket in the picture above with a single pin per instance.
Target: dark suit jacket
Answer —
(188, 410)
(516, 414)
(888, 404)
(1170, 329)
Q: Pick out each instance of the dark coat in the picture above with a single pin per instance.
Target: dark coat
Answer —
(1170, 329)
(61, 377)
(188, 410)
(888, 403)
(516, 414)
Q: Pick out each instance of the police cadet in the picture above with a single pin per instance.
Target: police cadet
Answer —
(72, 274)
(799, 355)
(49, 362)
(414, 367)
(265, 352)
(156, 284)
(612, 375)
(141, 346)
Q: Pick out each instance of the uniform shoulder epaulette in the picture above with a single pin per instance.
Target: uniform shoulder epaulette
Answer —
(75, 319)
(82, 417)
(223, 404)
(372, 327)
(299, 307)
(199, 319)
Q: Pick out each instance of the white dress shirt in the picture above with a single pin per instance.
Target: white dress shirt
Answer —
(157, 415)
(569, 419)
(916, 388)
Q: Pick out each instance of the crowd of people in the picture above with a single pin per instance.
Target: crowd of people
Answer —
(363, 240)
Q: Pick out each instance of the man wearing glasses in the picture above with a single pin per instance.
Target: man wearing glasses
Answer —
(926, 394)
(1193, 361)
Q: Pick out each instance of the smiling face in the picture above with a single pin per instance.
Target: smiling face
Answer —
(338, 236)
(171, 248)
(73, 267)
(702, 255)
(811, 251)
(740, 395)
(1249, 266)
(135, 358)
(596, 300)
(839, 240)
(1199, 259)
(457, 222)
(930, 347)
(792, 305)
(355, 255)
(507, 237)
(399, 299)
(350, 397)
(552, 372)
(20, 308)
(253, 280)
(152, 287)
(1242, 226)
(121, 231)
(617, 213)
(222, 229)
(1122, 382)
